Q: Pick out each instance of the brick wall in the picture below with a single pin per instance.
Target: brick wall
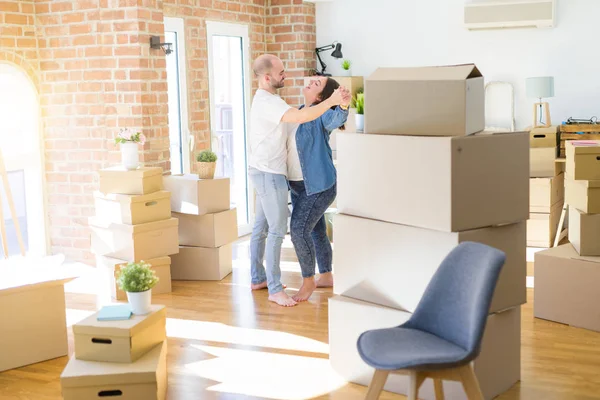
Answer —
(292, 36)
(96, 73)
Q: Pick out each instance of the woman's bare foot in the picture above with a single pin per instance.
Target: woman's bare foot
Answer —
(262, 285)
(308, 287)
(282, 299)
(325, 280)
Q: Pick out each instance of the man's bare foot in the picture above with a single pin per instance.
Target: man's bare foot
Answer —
(308, 287)
(325, 280)
(262, 285)
(282, 299)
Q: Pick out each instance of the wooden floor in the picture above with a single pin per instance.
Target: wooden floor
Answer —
(228, 343)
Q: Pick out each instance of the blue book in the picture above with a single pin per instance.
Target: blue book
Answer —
(114, 313)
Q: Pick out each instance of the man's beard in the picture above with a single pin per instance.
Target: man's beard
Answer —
(278, 85)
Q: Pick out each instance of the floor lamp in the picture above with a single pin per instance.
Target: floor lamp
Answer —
(540, 88)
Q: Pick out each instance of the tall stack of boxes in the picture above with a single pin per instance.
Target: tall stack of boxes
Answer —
(118, 359)
(207, 227)
(133, 223)
(547, 188)
(419, 181)
(567, 276)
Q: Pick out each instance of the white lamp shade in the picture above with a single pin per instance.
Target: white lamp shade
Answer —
(540, 87)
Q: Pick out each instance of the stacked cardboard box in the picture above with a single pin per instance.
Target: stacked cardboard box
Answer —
(566, 277)
(546, 187)
(133, 223)
(207, 227)
(419, 181)
(124, 359)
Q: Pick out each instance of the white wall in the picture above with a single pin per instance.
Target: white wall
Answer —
(390, 33)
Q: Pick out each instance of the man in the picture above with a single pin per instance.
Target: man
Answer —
(268, 171)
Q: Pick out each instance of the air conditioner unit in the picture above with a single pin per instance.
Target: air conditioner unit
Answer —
(510, 14)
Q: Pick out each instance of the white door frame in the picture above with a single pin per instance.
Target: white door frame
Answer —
(235, 30)
(177, 25)
(35, 179)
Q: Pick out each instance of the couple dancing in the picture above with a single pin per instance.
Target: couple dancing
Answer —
(289, 149)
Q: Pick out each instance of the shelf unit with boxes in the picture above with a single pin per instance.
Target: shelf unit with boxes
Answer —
(430, 184)
(566, 277)
(133, 223)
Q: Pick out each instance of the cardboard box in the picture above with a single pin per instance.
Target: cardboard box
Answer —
(208, 230)
(144, 379)
(544, 137)
(543, 227)
(545, 193)
(444, 183)
(583, 195)
(133, 209)
(192, 195)
(542, 162)
(32, 306)
(497, 368)
(392, 264)
(202, 263)
(143, 180)
(134, 242)
(584, 232)
(566, 287)
(583, 159)
(429, 101)
(110, 267)
(120, 341)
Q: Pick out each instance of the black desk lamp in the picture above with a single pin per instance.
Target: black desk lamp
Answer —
(337, 53)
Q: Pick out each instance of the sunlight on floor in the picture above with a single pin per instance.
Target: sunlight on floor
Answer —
(266, 375)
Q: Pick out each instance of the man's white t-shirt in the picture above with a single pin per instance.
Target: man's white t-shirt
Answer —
(293, 160)
(268, 134)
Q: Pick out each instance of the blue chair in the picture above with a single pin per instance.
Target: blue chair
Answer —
(444, 334)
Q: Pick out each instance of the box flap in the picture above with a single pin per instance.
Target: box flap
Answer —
(584, 146)
(139, 228)
(141, 198)
(121, 172)
(566, 251)
(19, 279)
(441, 73)
(79, 373)
(127, 328)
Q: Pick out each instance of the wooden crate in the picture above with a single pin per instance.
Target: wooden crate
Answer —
(569, 132)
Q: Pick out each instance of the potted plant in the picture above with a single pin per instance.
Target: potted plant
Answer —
(137, 280)
(346, 65)
(207, 163)
(129, 141)
(359, 103)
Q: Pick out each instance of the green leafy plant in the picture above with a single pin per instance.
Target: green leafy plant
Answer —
(206, 156)
(360, 90)
(346, 64)
(127, 135)
(136, 277)
(359, 103)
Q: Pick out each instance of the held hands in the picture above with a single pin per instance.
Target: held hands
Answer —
(346, 98)
(341, 96)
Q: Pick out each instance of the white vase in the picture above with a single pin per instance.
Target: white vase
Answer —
(360, 122)
(346, 72)
(129, 155)
(140, 302)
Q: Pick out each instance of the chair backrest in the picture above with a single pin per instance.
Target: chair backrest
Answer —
(457, 300)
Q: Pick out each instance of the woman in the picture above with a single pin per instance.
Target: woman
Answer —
(312, 180)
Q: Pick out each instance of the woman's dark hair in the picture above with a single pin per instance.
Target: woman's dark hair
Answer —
(330, 86)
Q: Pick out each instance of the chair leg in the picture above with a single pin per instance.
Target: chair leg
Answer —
(438, 386)
(377, 383)
(415, 380)
(470, 382)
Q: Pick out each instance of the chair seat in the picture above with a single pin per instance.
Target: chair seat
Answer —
(405, 348)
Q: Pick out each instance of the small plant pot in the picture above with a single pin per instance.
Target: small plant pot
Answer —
(206, 170)
(140, 302)
(129, 155)
(360, 122)
(347, 72)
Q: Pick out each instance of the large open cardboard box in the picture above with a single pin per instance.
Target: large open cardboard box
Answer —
(120, 341)
(428, 101)
(144, 379)
(497, 368)
(584, 232)
(32, 306)
(133, 209)
(208, 230)
(443, 183)
(566, 287)
(143, 180)
(392, 264)
(192, 195)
